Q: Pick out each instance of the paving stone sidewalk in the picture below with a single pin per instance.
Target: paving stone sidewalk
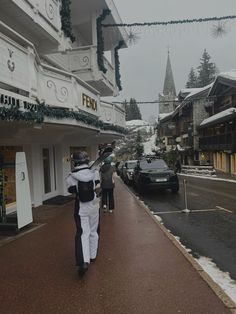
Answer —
(138, 269)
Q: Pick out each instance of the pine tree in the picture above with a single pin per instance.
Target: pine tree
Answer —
(206, 71)
(139, 146)
(132, 111)
(192, 79)
(127, 111)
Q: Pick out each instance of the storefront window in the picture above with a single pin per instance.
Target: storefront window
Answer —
(8, 156)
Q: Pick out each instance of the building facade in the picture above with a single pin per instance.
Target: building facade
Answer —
(53, 75)
(218, 130)
(180, 128)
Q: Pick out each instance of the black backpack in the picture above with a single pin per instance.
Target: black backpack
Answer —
(85, 189)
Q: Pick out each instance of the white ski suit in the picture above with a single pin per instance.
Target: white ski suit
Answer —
(86, 216)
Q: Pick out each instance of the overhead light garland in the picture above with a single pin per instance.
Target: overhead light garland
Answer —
(173, 22)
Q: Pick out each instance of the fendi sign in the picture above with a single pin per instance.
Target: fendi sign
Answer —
(89, 102)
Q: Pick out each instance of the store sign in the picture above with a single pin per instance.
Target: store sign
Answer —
(89, 102)
(17, 103)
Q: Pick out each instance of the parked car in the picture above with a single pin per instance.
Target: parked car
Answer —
(119, 168)
(128, 171)
(151, 173)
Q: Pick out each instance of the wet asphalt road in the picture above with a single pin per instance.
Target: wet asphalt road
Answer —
(210, 228)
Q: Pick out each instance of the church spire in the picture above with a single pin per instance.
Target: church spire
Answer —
(169, 84)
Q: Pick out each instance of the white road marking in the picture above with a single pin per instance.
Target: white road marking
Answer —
(171, 212)
(204, 210)
(222, 208)
(194, 211)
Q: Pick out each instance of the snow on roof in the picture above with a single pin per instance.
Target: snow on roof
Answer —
(229, 75)
(164, 115)
(188, 90)
(136, 123)
(215, 117)
(198, 90)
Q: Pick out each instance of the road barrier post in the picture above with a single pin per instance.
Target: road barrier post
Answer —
(186, 210)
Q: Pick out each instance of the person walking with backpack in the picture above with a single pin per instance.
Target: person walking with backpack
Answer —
(107, 185)
(85, 183)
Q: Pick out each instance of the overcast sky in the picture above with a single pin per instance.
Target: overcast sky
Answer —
(143, 64)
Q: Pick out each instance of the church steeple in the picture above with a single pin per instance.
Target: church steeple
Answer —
(169, 84)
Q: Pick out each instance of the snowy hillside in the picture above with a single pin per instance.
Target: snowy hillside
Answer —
(126, 148)
(133, 123)
(150, 145)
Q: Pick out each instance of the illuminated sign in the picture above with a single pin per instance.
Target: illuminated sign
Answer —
(89, 102)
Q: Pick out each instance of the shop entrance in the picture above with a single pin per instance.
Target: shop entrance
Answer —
(49, 172)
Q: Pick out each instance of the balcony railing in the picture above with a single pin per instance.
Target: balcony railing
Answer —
(226, 141)
(22, 70)
(112, 114)
(39, 17)
(82, 61)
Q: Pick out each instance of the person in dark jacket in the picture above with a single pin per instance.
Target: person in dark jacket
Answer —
(107, 185)
(178, 166)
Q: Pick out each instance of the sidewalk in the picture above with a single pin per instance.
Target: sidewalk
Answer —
(138, 269)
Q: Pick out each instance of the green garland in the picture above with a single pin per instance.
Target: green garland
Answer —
(172, 22)
(117, 64)
(100, 41)
(13, 113)
(65, 13)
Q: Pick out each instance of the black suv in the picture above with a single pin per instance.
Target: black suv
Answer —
(152, 173)
(128, 171)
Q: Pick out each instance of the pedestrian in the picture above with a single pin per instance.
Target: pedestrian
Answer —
(107, 185)
(177, 166)
(85, 183)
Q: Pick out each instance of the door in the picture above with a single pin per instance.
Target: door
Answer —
(49, 172)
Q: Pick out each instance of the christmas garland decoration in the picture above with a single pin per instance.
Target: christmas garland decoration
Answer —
(65, 13)
(117, 64)
(172, 22)
(13, 113)
(100, 41)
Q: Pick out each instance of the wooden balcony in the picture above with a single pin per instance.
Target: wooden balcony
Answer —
(225, 141)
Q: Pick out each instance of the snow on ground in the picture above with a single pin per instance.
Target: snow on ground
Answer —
(149, 145)
(227, 284)
(221, 278)
(208, 177)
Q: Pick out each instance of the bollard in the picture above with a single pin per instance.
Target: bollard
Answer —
(186, 210)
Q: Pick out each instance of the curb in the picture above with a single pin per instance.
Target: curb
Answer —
(228, 302)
